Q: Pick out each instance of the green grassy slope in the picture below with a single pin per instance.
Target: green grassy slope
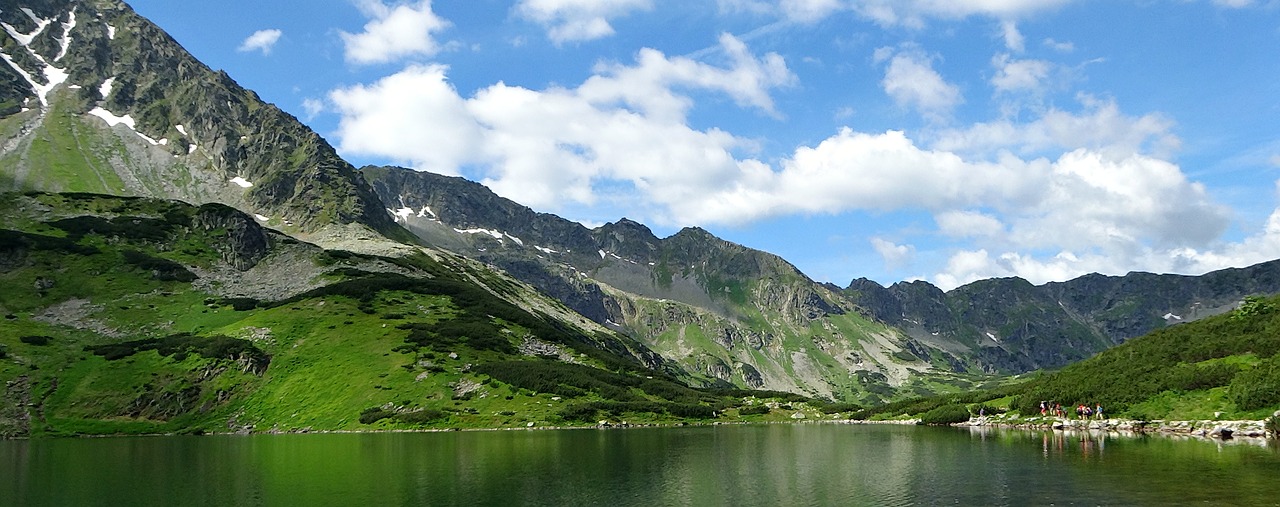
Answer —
(1223, 367)
(113, 322)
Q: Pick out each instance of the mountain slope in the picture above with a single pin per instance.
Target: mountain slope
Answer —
(95, 98)
(128, 315)
(729, 312)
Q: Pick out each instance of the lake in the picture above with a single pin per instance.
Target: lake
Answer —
(783, 464)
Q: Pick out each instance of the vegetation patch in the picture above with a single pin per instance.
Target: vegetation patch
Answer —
(179, 345)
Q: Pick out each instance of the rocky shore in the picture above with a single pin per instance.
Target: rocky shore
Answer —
(1213, 429)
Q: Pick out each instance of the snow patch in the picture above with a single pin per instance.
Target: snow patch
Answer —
(25, 38)
(545, 250)
(53, 76)
(993, 338)
(496, 234)
(105, 89)
(241, 181)
(1171, 316)
(602, 254)
(181, 130)
(513, 238)
(65, 42)
(261, 218)
(426, 210)
(151, 140)
(191, 150)
(111, 119)
(111, 32)
(402, 214)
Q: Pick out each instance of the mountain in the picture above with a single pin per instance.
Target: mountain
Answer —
(719, 309)
(95, 98)
(1015, 326)
(132, 315)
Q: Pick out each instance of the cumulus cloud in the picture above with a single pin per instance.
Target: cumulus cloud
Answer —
(895, 256)
(394, 32)
(1019, 75)
(911, 81)
(578, 20)
(261, 40)
(1100, 126)
(622, 127)
(969, 224)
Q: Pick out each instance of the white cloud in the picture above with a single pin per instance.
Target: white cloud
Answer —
(1059, 46)
(969, 224)
(313, 107)
(394, 32)
(895, 256)
(261, 40)
(1234, 4)
(809, 10)
(1013, 75)
(1100, 126)
(912, 82)
(578, 20)
(414, 117)
(913, 13)
(1013, 39)
(623, 127)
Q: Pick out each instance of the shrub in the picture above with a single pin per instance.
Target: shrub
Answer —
(35, 340)
(1273, 426)
(946, 414)
(1259, 387)
(241, 304)
(754, 410)
(423, 416)
(161, 269)
(374, 414)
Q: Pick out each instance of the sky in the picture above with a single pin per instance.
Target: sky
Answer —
(938, 140)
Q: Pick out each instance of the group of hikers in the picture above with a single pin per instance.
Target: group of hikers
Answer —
(1083, 411)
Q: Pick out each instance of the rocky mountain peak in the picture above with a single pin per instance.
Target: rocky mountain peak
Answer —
(148, 119)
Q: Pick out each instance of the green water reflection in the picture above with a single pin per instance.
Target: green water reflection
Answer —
(724, 465)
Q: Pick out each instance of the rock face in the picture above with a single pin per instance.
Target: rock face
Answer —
(247, 242)
(117, 106)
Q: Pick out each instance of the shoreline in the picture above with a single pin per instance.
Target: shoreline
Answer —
(1203, 429)
(1206, 429)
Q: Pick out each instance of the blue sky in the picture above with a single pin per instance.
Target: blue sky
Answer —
(914, 139)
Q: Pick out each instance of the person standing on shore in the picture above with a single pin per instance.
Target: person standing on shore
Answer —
(1097, 411)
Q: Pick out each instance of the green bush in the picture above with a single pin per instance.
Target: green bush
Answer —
(161, 269)
(35, 340)
(178, 346)
(374, 414)
(1259, 387)
(754, 410)
(946, 414)
(1273, 426)
(423, 416)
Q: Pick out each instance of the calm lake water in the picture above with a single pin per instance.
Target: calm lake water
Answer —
(805, 464)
